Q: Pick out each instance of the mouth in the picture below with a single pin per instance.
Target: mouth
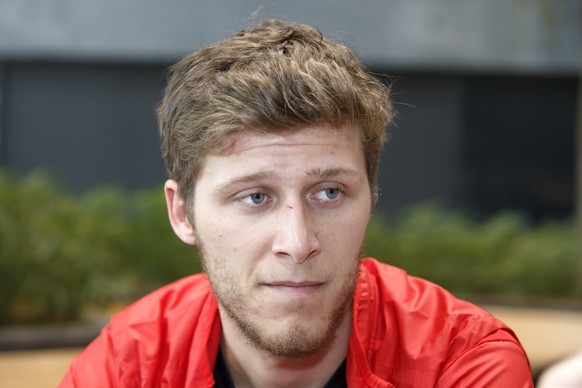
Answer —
(306, 288)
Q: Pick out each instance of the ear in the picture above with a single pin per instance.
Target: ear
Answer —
(177, 213)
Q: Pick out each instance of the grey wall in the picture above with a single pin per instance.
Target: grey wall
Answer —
(522, 35)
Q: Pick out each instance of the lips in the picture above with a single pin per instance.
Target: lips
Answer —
(304, 288)
(294, 284)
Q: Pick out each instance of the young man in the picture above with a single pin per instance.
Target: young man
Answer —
(271, 139)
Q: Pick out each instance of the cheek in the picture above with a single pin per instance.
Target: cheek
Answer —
(345, 233)
(233, 240)
(212, 226)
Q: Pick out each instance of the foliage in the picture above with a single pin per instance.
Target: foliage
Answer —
(156, 255)
(56, 251)
(503, 257)
(60, 253)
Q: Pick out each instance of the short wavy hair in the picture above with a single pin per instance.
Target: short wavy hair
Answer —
(274, 77)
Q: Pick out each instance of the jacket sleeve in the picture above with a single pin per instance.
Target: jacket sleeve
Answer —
(493, 362)
(95, 366)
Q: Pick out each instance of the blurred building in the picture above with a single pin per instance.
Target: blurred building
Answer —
(485, 89)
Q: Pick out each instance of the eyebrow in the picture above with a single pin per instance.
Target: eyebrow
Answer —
(266, 175)
(332, 172)
(262, 175)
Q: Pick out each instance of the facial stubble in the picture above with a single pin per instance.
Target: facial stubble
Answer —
(300, 337)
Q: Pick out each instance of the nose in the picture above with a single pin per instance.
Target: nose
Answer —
(297, 234)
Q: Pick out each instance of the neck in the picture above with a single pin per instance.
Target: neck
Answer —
(252, 367)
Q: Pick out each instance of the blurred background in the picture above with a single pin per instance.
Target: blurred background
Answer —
(486, 90)
(478, 183)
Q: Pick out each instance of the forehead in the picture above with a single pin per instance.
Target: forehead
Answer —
(241, 140)
(305, 149)
(292, 159)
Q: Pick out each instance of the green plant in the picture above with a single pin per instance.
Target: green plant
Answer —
(57, 252)
(155, 254)
(503, 257)
(60, 253)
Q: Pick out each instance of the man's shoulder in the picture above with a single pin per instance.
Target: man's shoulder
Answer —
(413, 324)
(395, 287)
(175, 304)
(435, 316)
(158, 338)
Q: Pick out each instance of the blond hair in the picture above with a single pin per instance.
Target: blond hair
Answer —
(276, 76)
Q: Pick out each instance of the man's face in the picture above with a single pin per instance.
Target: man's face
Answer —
(280, 220)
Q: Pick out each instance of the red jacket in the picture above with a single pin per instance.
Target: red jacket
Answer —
(406, 332)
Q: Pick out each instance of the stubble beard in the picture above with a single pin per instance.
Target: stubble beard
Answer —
(299, 338)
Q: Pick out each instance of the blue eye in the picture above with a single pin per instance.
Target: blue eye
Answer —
(332, 193)
(329, 195)
(257, 198)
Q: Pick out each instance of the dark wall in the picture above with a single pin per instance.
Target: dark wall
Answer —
(488, 142)
(87, 124)
(520, 148)
(491, 142)
(423, 159)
